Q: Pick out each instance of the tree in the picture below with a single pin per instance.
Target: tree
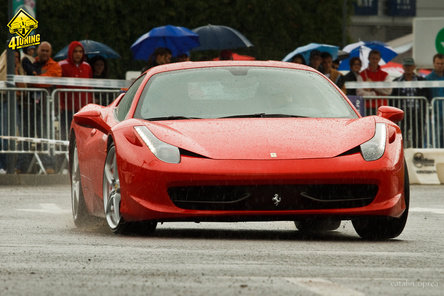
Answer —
(274, 27)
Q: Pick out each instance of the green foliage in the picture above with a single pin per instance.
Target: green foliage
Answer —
(274, 27)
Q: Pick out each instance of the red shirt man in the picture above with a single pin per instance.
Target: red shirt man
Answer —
(75, 66)
(374, 73)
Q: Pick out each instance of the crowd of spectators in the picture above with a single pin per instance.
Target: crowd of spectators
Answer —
(322, 61)
(38, 62)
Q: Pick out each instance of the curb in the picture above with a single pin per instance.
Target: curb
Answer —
(34, 180)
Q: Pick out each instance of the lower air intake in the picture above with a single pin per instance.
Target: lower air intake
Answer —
(273, 197)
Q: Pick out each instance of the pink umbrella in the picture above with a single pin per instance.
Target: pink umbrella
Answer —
(394, 69)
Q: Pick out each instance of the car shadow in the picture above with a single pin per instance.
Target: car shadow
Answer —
(243, 234)
(99, 227)
(249, 234)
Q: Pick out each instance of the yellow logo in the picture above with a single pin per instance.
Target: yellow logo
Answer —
(23, 24)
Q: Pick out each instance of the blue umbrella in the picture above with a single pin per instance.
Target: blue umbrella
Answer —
(92, 48)
(361, 49)
(220, 37)
(176, 39)
(307, 49)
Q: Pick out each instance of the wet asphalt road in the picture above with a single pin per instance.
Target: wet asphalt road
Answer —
(42, 253)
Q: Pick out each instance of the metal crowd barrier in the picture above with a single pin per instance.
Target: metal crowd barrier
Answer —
(434, 125)
(37, 135)
(25, 125)
(68, 101)
(414, 127)
(42, 123)
(437, 121)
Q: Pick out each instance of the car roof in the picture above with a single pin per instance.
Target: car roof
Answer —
(211, 64)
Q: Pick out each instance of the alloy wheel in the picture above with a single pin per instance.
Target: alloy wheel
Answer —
(111, 191)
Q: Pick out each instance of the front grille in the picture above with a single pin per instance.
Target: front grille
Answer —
(273, 197)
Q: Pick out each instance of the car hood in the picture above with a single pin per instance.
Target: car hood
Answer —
(265, 138)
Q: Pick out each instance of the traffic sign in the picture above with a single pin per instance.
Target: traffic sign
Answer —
(439, 41)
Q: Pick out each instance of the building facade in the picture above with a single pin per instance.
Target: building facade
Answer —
(386, 20)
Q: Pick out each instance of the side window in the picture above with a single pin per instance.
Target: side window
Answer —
(127, 100)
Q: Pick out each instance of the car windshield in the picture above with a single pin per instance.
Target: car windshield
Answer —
(224, 92)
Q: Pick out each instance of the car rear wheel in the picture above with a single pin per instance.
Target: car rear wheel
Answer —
(112, 198)
(380, 228)
(317, 225)
(79, 210)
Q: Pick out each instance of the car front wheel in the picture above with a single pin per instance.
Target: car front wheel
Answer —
(380, 228)
(112, 198)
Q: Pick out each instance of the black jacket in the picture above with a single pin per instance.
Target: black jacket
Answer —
(411, 92)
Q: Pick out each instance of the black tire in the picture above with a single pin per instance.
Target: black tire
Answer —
(317, 225)
(382, 228)
(80, 213)
(139, 228)
(147, 227)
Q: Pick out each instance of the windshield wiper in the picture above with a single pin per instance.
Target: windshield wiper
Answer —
(264, 115)
(172, 117)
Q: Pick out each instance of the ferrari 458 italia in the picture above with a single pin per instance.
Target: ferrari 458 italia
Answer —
(238, 141)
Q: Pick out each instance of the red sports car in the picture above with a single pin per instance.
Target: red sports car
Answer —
(238, 141)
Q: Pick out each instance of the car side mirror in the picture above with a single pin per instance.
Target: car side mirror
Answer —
(91, 118)
(391, 113)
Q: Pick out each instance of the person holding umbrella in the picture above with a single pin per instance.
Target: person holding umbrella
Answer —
(330, 72)
(299, 59)
(315, 60)
(91, 48)
(73, 66)
(355, 68)
(183, 57)
(160, 44)
(160, 56)
(99, 67)
(415, 110)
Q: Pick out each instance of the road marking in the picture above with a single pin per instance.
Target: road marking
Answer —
(324, 287)
(47, 208)
(428, 210)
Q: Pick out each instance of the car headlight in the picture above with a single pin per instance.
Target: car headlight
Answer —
(163, 151)
(374, 148)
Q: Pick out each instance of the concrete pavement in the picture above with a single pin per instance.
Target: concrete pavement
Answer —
(33, 179)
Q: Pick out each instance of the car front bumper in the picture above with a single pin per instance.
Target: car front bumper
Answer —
(147, 186)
